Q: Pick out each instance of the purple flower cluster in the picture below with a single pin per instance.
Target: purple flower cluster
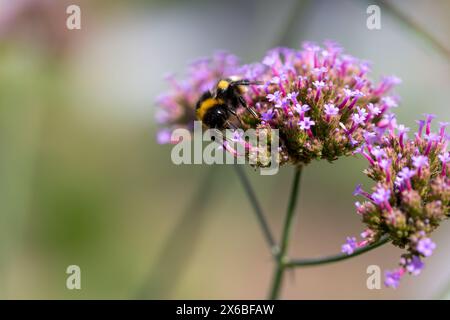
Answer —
(412, 192)
(319, 98)
(325, 106)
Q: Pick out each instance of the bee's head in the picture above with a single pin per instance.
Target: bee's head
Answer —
(223, 85)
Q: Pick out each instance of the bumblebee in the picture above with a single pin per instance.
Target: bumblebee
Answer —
(215, 108)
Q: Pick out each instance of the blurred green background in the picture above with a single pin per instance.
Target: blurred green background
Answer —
(82, 180)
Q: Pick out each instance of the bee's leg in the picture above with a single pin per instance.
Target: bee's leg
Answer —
(230, 125)
(244, 104)
(234, 113)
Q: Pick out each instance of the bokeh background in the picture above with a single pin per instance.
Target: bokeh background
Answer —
(82, 180)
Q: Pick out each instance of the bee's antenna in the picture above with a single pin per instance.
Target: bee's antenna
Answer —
(245, 82)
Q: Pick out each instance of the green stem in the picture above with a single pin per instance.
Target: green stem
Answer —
(334, 258)
(281, 258)
(257, 208)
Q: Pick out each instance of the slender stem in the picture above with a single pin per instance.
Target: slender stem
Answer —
(287, 230)
(411, 24)
(338, 257)
(257, 208)
(290, 211)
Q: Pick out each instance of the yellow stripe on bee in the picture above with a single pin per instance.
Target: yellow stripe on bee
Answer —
(223, 84)
(206, 105)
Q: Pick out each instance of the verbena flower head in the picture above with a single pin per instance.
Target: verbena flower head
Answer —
(412, 192)
(319, 98)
